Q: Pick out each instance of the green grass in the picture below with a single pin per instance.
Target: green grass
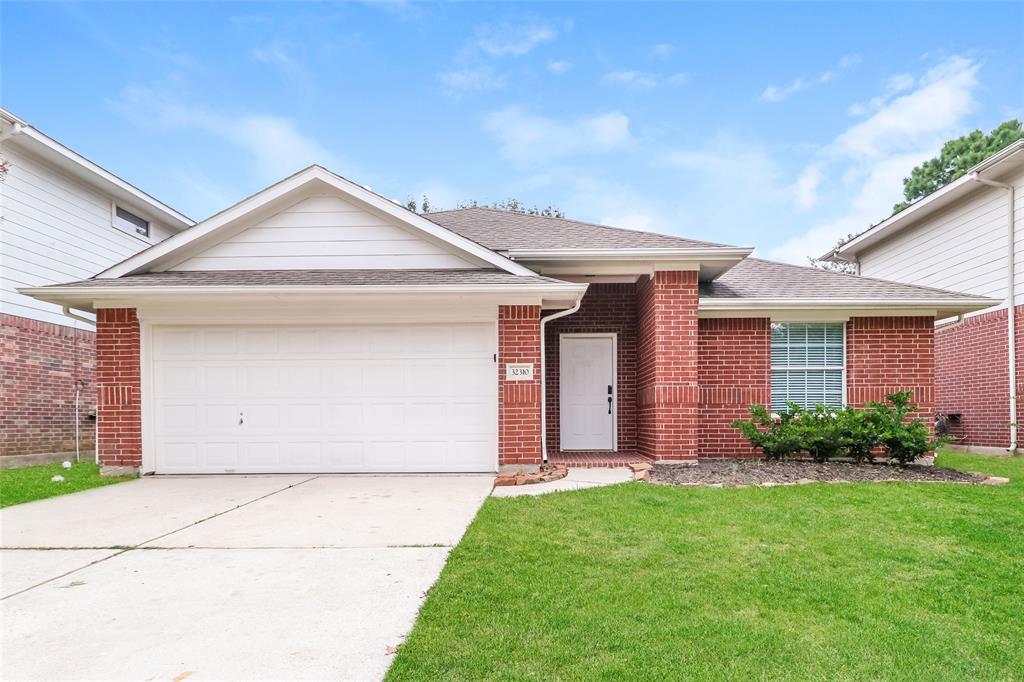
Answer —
(33, 483)
(852, 581)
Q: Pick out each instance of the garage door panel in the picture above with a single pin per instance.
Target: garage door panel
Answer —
(360, 398)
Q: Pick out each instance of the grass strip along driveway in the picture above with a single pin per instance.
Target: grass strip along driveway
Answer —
(35, 483)
(823, 581)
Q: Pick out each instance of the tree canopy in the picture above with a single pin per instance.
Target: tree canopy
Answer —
(511, 205)
(955, 159)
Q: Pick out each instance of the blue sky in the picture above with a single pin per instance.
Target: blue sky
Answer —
(782, 126)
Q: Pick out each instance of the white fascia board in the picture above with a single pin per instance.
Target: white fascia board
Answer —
(694, 253)
(87, 296)
(770, 307)
(278, 191)
(92, 173)
(935, 201)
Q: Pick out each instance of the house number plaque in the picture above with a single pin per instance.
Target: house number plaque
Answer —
(519, 371)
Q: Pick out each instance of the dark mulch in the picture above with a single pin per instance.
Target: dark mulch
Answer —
(759, 472)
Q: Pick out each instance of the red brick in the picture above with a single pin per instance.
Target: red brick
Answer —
(119, 390)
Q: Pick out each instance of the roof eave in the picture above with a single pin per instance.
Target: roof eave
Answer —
(93, 173)
(708, 253)
(957, 189)
(948, 306)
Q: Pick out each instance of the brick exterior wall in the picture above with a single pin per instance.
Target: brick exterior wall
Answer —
(734, 373)
(42, 364)
(890, 354)
(118, 386)
(971, 377)
(667, 388)
(519, 441)
(606, 308)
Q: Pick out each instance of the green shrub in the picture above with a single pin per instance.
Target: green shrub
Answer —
(825, 433)
(777, 439)
(904, 439)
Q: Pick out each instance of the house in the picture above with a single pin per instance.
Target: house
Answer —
(319, 327)
(63, 217)
(960, 238)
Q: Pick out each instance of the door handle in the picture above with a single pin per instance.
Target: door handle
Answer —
(241, 418)
(609, 404)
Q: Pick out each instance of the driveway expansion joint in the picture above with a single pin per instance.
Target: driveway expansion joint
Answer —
(122, 550)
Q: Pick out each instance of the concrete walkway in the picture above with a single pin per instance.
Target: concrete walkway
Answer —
(576, 479)
(230, 577)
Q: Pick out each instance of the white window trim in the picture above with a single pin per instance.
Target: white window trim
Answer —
(148, 238)
(773, 368)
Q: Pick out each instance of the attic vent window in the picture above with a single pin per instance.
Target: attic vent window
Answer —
(130, 223)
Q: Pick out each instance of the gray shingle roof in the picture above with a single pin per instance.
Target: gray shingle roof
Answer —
(257, 278)
(762, 279)
(504, 230)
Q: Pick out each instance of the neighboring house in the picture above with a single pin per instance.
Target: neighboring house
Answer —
(318, 327)
(61, 217)
(959, 238)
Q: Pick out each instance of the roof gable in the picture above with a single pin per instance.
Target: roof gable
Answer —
(325, 231)
(222, 236)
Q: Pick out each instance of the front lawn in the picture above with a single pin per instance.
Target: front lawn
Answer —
(33, 483)
(825, 581)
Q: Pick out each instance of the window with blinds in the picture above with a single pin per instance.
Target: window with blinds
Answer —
(808, 362)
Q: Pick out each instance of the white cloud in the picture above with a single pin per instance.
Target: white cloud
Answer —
(274, 145)
(559, 67)
(873, 156)
(662, 51)
(473, 69)
(512, 39)
(471, 79)
(805, 190)
(775, 93)
(916, 120)
(642, 80)
(631, 79)
(779, 93)
(530, 139)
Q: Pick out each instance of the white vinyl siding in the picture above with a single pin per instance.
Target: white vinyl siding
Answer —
(325, 232)
(808, 364)
(53, 229)
(961, 247)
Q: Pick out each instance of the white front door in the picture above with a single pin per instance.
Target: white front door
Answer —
(587, 402)
(290, 399)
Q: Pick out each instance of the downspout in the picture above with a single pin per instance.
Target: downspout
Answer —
(544, 375)
(1011, 298)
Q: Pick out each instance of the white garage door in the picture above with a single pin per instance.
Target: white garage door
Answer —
(385, 398)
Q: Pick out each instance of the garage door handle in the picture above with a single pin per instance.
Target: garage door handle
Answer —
(241, 418)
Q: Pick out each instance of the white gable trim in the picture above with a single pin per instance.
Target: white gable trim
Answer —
(205, 234)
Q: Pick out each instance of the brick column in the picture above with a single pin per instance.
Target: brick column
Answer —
(519, 442)
(667, 396)
(118, 388)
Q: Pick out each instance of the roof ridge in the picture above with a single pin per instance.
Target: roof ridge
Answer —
(574, 220)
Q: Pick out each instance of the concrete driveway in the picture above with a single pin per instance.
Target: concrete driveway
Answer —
(231, 577)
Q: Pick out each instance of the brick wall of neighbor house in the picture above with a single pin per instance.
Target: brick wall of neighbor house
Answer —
(519, 441)
(42, 364)
(118, 386)
(889, 354)
(971, 377)
(606, 308)
(735, 373)
(667, 389)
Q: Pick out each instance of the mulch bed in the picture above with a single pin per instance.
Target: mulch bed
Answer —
(734, 473)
